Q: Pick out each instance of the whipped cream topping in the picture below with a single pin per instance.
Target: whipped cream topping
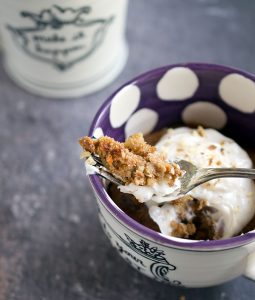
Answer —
(89, 163)
(233, 198)
(158, 192)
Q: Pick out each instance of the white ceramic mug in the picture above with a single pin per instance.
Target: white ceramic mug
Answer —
(210, 95)
(170, 262)
(64, 48)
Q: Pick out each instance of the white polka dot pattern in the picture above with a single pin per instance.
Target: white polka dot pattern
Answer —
(177, 84)
(144, 120)
(98, 132)
(204, 113)
(238, 92)
(124, 104)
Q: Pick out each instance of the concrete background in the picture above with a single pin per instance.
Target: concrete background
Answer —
(51, 244)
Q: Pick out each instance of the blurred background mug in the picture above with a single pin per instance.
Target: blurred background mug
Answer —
(63, 48)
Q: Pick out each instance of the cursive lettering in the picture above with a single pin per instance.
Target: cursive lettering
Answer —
(55, 52)
(54, 38)
(130, 255)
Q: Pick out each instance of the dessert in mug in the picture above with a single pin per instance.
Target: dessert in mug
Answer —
(220, 208)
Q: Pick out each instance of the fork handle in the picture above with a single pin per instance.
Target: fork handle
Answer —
(214, 173)
(207, 174)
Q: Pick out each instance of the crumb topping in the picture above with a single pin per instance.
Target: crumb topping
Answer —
(201, 131)
(134, 161)
(195, 220)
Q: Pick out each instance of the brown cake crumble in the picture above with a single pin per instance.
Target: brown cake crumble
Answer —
(195, 221)
(196, 225)
(133, 161)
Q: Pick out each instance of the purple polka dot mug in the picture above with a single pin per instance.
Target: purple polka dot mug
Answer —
(213, 96)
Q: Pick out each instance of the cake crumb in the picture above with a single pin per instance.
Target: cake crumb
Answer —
(212, 147)
(210, 161)
(134, 161)
(194, 219)
(201, 131)
(85, 154)
(90, 161)
(218, 163)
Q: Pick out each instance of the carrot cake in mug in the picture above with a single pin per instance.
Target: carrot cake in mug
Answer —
(218, 209)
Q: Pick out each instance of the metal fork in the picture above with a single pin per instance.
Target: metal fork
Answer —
(192, 177)
(101, 171)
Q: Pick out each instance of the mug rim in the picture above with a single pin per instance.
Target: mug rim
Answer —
(131, 224)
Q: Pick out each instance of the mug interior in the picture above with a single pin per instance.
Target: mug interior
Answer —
(213, 96)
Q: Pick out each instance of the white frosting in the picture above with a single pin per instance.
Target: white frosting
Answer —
(90, 166)
(90, 169)
(158, 192)
(163, 216)
(234, 198)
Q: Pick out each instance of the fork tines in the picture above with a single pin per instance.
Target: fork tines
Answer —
(97, 159)
(103, 172)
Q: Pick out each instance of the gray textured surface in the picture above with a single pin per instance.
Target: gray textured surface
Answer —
(51, 243)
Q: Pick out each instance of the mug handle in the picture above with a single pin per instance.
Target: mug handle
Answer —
(250, 263)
